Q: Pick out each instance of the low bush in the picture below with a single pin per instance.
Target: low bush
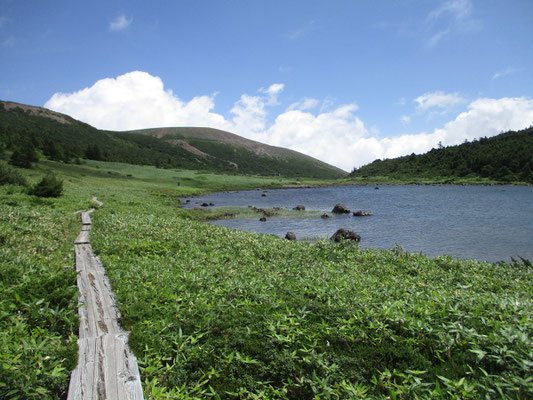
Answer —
(10, 176)
(49, 186)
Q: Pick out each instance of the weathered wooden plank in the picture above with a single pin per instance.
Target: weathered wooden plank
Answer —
(100, 204)
(106, 369)
(86, 217)
(83, 237)
(102, 313)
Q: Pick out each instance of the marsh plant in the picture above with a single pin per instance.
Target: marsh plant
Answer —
(226, 314)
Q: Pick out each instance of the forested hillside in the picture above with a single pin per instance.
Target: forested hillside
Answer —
(507, 157)
(34, 131)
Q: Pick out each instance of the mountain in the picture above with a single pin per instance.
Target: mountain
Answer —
(61, 137)
(240, 153)
(507, 157)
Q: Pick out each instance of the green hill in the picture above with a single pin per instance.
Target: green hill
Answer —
(60, 137)
(506, 158)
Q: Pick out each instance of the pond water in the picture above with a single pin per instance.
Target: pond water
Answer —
(487, 223)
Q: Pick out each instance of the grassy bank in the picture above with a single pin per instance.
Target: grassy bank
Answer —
(216, 313)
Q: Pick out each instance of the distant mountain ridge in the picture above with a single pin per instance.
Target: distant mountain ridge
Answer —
(507, 157)
(202, 140)
(64, 138)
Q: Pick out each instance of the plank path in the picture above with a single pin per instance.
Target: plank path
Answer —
(107, 369)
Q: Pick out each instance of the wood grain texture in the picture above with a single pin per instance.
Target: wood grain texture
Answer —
(107, 369)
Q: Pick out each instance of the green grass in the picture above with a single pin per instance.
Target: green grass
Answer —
(209, 214)
(217, 313)
(225, 314)
(38, 298)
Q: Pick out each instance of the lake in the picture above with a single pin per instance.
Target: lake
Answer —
(487, 223)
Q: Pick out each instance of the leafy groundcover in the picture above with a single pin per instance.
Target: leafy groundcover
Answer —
(38, 306)
(216, 313)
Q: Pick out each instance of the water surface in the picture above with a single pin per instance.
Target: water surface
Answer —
(489, 223)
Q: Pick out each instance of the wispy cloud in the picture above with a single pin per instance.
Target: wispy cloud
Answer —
(438, 100)
(451, 16)
(507, 71)
(120, 23)
(306, 104)
(272, 92)
(456, 9)
(301, 32)
(436, 38)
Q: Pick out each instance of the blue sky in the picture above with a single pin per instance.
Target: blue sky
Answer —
(343, 81)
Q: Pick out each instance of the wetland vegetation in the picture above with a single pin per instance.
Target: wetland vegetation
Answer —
(222, 314)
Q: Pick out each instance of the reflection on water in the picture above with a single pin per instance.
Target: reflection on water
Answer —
(490, 223)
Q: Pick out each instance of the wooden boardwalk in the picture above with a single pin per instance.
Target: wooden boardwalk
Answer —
(106, 369)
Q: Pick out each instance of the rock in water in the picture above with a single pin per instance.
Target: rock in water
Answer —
(290, 236)
(362, 213)
(340, 209)
(345, 234)
(325, 215)
(299, 207)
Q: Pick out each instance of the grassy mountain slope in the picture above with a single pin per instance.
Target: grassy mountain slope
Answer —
(507, 157)
(244, 155)
(61, 137)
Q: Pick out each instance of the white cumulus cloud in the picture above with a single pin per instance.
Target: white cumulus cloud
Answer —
(120, 23)
(135, 100)
(334, 134)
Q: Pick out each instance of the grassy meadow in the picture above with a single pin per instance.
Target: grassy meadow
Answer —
(223, 314)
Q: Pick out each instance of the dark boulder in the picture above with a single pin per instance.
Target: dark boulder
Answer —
(262, 219)
(325, 215)
(264, 195)
(205, 205)
(362, 213)
(340, 209)
(290, 236)
(211, 204)
(345, 234)
(299, 207)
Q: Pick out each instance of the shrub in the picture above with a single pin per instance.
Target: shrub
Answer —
(49, 186)
(10, 175)
(23, 157)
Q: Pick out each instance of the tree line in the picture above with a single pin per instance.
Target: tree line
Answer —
(507, 157)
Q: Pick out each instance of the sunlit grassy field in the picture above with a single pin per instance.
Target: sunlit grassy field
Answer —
(217, 313)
